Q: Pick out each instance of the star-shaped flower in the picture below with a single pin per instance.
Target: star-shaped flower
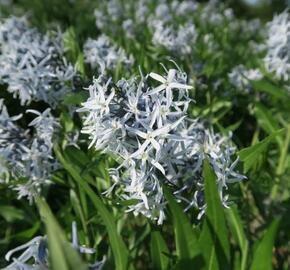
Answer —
(167, 83)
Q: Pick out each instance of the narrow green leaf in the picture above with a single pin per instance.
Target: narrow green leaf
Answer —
(185, 239)
(75, 202)
(120, 251)
(61, 254)
(269, 88)
(214, 237)
(76, 156)
(238, 233)
(27, 234)
(236, 224)
(10, 213)
(71, 45)
(80, 66)
(251, 154)
(284, 153)
(158, 250)
(66, 121)
(266, 120)
(75, 98)
(263, 255)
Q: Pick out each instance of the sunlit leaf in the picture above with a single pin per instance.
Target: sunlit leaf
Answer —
(214, 236)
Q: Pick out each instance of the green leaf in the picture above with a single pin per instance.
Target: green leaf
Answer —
(75, 98)
(66, 121)
(80, 66)
(71, 45)
(76, 156)
(269, 88)
(10, 213)
(250, 155)
(27, 234)
(185, 239)
(61, 254)
(284, 161)
(266, 120)
(77, 207)
(238, 233)
(263, 255)
(214, 237)
(158, 250)
(120, 251)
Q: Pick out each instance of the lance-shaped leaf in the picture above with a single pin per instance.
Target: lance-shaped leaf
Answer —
(185, 239)
(263, 255)
(119, 248)
(251, 154)
(61, 254)
(159, 250)
(214, 237)
(238, 233)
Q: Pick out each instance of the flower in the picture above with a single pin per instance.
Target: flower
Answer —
(241, 78)
(167, 84)
(37, 251)
(277, 59)
(178, 41)
(146, 129)
(27, 156)
(102, 51)
(32, 64)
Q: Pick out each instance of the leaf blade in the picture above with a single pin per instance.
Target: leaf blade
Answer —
(120, 251)
(213, 239)
(185, 240)
(262, 259)
(158, 248)
(61, 254)
(250, 155)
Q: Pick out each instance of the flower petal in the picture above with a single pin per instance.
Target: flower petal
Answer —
(157, 77)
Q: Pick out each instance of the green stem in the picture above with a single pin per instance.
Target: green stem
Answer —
(283, 156)
(281, 164)
(245, 256)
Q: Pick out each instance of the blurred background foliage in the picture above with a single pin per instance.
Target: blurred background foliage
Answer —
(257, 201)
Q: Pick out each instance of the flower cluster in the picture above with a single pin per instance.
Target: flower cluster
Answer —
(11, 136)
(101, 53)
(37, 251)
(241, 78)
(179, 42)
(160, 21)
(277, 59)
(32, 64)
(176, 38)
(144, 126)
(202, 34)
(23, 156)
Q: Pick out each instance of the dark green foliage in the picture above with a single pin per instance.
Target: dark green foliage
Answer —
(248, 235)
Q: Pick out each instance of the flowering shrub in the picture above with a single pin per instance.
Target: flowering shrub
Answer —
(161, 128)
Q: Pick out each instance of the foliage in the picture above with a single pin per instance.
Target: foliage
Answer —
(224, 57)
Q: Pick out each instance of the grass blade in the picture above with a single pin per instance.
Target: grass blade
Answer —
(250, 155)
(214, 238)
(61, 254)
(158, 250)
(119, 249)
(269, 88)
(238, 233)
(262, 259)
(185, 239)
